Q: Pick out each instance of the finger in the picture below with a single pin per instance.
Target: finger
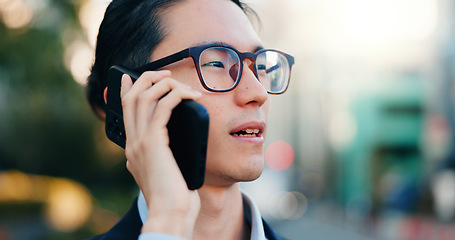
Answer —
(164, 107)
(147, 79)
(149, 98)
(126, 84)
(130, 94)
(128, 109)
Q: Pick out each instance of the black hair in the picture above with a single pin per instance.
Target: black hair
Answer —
(128, 34)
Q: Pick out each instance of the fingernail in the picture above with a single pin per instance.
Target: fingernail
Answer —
(124, 79)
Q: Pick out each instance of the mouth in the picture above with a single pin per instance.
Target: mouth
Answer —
(249, 130)
(246, 133)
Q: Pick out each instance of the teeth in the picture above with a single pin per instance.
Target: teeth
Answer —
(244, 135)
(252, 130)
(248, 133)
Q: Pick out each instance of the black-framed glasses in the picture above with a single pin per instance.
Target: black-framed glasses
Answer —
(220, 67)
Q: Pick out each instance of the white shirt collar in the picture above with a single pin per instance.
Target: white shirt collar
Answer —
(257, 229)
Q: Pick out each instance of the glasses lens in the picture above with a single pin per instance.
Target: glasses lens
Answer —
(273, 71)
(220, 68)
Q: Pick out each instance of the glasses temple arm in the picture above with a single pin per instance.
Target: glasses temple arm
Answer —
(290, 61)
(272, 69)
(164, 61)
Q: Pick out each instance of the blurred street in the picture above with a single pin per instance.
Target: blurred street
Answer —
(361, 146)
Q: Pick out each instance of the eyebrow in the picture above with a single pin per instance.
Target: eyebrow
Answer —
(258, 48)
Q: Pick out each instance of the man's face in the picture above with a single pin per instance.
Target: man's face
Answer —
(230, 157)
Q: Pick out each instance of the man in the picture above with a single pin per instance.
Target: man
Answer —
(234, 87)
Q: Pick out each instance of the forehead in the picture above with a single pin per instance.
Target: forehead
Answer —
(193, 22)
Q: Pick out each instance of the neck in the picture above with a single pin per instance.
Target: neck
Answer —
(221, 214)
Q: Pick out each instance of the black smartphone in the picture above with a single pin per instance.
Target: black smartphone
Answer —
(187, 128)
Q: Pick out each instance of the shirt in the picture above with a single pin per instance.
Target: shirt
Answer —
(257, 228)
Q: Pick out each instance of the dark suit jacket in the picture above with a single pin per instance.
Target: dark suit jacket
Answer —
(129, 227)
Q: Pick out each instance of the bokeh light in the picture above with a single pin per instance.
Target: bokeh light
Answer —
(90, 16)
(279, 155)
(16, 14)
(79, 54)
(444, 190)
(78, 59)
(288, 205)
(68, 203)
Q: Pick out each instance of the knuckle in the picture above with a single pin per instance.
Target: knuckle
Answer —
(143, 97)
(167, 80)
(126, 99)
(129, 152)
(162, 105)
(178, 91)
(172, 83)
(148, 74)
(178, 94)
(128, 166)
(143, 144)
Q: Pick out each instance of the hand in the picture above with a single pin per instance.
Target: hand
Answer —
(173, 208)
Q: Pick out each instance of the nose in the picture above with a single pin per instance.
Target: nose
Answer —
(250, 90)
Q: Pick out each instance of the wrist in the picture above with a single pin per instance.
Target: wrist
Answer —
(170, 224)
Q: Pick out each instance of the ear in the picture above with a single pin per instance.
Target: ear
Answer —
(98, 111)
(105, 95)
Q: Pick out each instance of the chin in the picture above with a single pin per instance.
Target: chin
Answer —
(254, 172)
(251, 177)
(249, 173)
(231, 175)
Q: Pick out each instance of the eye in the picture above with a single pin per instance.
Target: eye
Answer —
(214, 64)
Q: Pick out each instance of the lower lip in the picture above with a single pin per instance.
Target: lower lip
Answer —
(255, 140)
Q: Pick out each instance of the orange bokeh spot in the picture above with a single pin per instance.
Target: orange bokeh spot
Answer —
(279, 155)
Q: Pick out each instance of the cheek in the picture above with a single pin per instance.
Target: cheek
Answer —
(218, 116)
(216, 112)
(266, 107)
(185, 72)
(216, 146)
